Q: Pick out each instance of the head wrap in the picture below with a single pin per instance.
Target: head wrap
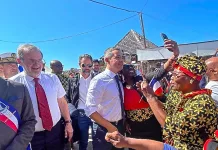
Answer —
(192, 66)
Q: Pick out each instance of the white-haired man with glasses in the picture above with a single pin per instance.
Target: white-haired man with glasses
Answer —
(47, 95)
(76, 95)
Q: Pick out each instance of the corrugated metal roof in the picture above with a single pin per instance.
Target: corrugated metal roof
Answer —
(201, 49)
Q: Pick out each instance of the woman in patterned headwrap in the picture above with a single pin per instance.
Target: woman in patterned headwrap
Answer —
(189, 116)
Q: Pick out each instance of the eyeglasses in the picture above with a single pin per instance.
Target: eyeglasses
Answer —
(33, 61)
(86, 65)
(119, 57)
(177, 74)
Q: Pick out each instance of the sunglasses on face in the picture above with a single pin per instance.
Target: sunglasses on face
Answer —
(86, 65)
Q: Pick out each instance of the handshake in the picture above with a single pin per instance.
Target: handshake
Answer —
(117, 139)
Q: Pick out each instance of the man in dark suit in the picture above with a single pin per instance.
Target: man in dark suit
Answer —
(17, 119)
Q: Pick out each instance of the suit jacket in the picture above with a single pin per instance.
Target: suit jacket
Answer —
(17, 95)
(72, 92)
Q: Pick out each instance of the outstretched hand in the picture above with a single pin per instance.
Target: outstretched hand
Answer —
(117, 139)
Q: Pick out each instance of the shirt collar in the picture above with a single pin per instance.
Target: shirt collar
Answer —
(110, 73)
(29, 78)
(86, 78)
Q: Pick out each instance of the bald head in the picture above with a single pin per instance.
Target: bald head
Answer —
(212, 61)
(212, 68)
(56, 66)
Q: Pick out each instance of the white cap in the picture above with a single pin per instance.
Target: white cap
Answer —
(8, 58)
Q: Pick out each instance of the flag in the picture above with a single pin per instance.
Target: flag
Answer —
(156, 86)
(20, 68)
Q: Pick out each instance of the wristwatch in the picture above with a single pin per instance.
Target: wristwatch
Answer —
(67, 121)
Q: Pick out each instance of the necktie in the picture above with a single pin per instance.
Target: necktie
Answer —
(44, 111)
(121, 97)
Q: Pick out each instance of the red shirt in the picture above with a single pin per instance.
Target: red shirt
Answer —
(133, 101)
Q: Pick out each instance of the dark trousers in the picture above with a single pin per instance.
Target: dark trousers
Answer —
(99, 132)
(49, 140)
(83, 123)
(149, 129)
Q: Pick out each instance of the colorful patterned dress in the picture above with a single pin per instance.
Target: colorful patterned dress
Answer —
(191, 119)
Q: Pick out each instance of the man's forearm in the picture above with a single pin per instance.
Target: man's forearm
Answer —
(64, 109)
(143, 144)
(100, 120)
(157, 108)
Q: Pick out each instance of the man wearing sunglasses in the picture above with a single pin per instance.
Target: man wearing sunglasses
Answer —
(76, 95)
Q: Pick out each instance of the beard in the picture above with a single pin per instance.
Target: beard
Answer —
(87, 72)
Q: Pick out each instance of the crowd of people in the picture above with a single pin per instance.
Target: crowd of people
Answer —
(52, 111)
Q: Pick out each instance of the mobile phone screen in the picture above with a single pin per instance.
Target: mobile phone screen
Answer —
(164, 36)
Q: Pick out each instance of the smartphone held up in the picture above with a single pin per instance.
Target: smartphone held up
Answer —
(164, 36)
(170, 45)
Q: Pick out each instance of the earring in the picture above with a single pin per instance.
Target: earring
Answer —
(191, 81)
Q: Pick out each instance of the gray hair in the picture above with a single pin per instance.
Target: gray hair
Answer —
(85, 56)
(109, 52)
(25, 48)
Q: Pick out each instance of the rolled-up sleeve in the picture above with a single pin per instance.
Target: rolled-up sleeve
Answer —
(94, 96)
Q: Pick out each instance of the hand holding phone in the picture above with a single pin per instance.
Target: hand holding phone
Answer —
(170, 45)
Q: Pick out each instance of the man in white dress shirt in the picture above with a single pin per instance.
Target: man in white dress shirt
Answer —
(104, 102)
(212, 74)
(76, 96)
(47, 95)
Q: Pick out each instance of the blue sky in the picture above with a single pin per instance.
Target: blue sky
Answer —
(29, 20)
